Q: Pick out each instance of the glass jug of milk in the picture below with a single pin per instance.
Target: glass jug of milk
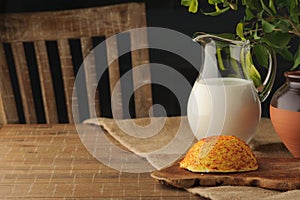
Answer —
(224, 99)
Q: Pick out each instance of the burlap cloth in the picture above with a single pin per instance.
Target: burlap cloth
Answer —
(165, 139)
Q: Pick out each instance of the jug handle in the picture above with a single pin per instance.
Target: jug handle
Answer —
(265, 89)
(262, 90)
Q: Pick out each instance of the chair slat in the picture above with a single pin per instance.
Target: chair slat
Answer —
(142, 95)
(114, 76)
(90, 75)
(8, 109)
(24, 82)
(3, 118)
(46, 82)
(68, 78)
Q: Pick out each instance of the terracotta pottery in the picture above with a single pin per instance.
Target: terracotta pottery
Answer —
(285, 112)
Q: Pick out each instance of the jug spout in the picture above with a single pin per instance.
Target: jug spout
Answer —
(205, 38)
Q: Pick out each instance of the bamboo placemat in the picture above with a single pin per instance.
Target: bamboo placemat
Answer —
(49, 161)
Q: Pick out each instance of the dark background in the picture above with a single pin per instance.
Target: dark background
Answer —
(163, 13)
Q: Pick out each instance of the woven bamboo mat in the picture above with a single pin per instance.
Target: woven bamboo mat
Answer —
(49, 161)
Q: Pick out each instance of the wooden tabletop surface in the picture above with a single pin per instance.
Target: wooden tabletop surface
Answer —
(49, 161)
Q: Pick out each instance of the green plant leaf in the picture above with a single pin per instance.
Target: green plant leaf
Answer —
(266, 8)
(291, 4)
(285, 54)
(220, 60)
(297, 59)
(255, 35)
(298, 26)
(277, 39)
(217, 12)
(267, 27)
(186, 2)
(294, 15)
(240, 30)
(252, 71)
(252, 5)
(260, 14)
(248, 14)
(255, 76)
(192, 4)
(235, 66)
(233, 6)
(272, 6)
(284, 25)
(261, 55)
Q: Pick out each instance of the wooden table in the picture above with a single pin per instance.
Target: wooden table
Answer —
(49, 161)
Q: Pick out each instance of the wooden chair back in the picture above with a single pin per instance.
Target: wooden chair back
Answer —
(36, 33)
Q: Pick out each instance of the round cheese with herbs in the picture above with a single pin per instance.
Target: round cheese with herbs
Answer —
(220, 154)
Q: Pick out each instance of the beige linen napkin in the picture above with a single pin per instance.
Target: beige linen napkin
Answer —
(243, 193)
(161, 140)
(165, 139)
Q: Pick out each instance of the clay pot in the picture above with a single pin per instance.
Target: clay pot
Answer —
(285, 112)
